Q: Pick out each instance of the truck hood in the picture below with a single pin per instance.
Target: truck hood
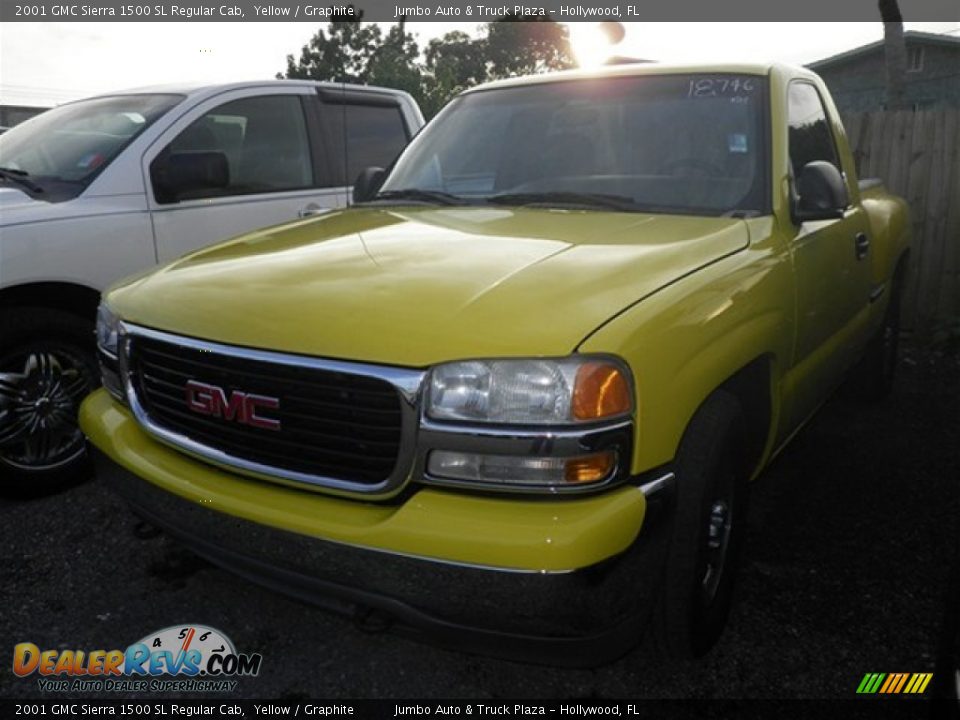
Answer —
(415, 286)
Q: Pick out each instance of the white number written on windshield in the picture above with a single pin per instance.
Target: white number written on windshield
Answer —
(720, 87)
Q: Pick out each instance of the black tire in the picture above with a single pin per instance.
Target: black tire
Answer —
(706, 539)
(876, 371)
(47, 366)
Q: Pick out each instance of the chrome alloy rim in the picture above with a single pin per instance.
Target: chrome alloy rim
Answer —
(719, 524)
(40, 392)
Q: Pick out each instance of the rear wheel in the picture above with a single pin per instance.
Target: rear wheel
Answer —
(878, 368)
(47, 367)
(707, 535)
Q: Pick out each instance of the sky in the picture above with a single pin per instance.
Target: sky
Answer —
(48, 63)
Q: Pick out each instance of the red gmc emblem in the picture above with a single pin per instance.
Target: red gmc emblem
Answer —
(239, 407)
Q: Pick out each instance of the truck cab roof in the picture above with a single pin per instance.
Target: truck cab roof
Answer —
(641, 69)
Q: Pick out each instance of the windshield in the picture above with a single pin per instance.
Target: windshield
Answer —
(56, 154)
(690, 143)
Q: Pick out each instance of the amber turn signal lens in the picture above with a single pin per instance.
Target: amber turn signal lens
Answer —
(600, 391)
(589, 468)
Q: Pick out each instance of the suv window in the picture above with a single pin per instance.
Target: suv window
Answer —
(264, 141)
(810, 136)
(375, 135)
(62, 150)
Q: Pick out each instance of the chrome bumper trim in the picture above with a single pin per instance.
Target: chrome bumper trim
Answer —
(663, 483)
(877, 292)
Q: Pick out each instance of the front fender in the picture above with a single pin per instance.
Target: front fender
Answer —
(686, 340)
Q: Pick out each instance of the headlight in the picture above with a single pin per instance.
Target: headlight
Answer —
(564, 424)
(530, 392)
(108, 330)
(108, 340)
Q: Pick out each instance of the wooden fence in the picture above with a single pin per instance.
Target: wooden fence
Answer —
(917, 154)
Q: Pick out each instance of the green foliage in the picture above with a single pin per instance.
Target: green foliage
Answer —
(394, 62)
(452, 64)
(341, 54)
(521, 47)
(357, 52)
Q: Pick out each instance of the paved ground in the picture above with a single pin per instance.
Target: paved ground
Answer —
(844, 574)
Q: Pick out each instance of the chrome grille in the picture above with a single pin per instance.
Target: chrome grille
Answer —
(341, 425)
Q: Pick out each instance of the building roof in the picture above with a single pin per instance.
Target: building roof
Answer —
(912, 37)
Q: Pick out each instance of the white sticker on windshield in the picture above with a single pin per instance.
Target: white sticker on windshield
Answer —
(90, 161)
(737, 142)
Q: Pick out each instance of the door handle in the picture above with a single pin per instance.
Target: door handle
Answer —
(311, 209)
(862, 245)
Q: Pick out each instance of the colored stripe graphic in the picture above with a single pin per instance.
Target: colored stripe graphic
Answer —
(923, 679)
(891, 680)
(894, 683)
(903, 679)
(870, 683)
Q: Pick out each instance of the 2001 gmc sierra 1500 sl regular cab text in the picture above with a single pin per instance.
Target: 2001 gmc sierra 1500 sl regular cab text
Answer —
(515, 394)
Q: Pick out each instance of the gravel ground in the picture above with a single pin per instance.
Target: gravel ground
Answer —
(844, 574)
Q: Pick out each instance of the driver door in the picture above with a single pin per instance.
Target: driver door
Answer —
(831, 265)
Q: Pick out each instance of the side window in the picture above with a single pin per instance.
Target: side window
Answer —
(252, 145)
(368, 135)
(810, 136)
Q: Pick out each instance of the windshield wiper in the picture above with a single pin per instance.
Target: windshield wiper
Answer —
(561, 198)
(20, 177)
(740, 214)
(428, 196)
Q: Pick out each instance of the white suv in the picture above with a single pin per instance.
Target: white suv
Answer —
(97, 189)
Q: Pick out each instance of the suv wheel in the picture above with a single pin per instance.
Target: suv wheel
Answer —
(47, 366)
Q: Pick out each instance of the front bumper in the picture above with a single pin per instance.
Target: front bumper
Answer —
(566, 581)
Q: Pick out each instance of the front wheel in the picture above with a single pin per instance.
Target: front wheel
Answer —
(47, 366)
(707, 534)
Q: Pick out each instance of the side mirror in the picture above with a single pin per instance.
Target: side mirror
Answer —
(178, 176)
(368, 183)
(821, 193)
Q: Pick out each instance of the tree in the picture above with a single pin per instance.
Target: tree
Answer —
(515, 46)
(351, 51)
(895, 53)
(395, 63)
(508, 46)
(452, 64)
(341, 54)
(355, 52)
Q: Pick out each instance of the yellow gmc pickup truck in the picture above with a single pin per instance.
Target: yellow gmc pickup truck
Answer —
(512, 398)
